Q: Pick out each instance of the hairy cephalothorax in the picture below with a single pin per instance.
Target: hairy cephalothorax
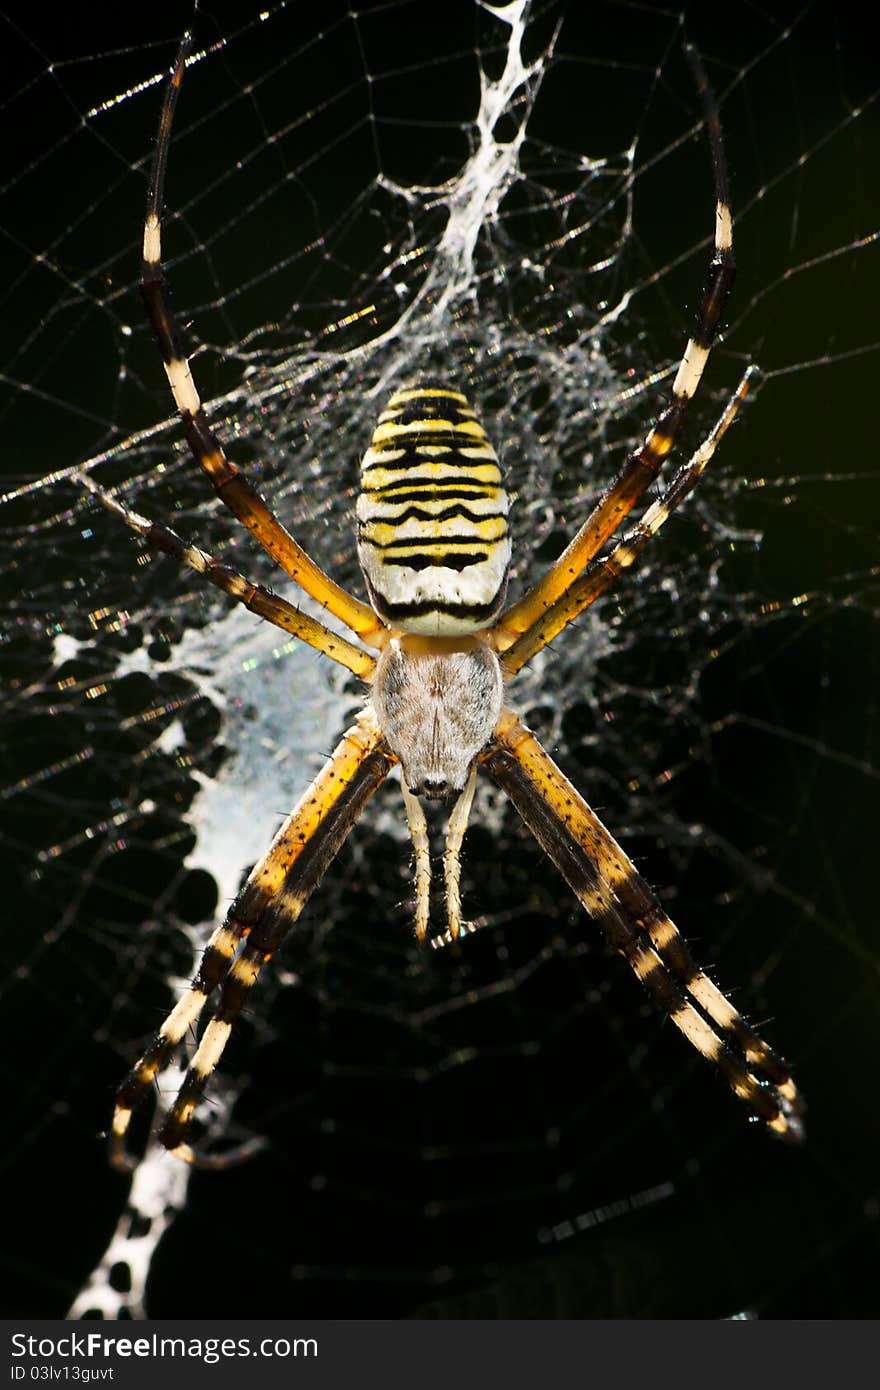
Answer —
(437, 703)
(434, 548)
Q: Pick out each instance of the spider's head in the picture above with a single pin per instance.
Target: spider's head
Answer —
(433, 788)
(437, 701)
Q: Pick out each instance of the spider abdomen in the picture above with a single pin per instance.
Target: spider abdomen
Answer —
(433, 540)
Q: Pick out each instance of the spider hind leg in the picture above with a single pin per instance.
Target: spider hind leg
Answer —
(524, 617)
(230, 485)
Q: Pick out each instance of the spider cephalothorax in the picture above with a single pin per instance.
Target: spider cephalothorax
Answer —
(437, 710)
(434, 548)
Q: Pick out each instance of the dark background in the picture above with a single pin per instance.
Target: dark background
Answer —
(484, 1190)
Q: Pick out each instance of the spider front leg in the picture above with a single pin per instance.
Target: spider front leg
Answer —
(270, 902)
(635, 924)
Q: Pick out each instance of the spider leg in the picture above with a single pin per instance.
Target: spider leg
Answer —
(255, 597)
(634, 923)
(603, 573)
(231, 486)
(256, 924)
(644, 464)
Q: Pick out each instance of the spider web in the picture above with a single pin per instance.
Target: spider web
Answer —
(518, 202)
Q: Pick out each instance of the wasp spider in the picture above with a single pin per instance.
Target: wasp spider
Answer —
(436, 647)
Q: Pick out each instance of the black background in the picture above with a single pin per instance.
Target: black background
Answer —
(348, 1220)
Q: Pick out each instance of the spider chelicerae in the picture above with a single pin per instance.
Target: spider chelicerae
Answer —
(436, 647)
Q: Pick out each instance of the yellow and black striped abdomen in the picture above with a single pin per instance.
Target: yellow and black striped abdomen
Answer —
(432, 516)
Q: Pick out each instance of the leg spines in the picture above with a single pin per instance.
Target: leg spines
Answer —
(257, 923)
(234, 490)
(635, 924)
(255, 597)
(602, 573)
(644, 464)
